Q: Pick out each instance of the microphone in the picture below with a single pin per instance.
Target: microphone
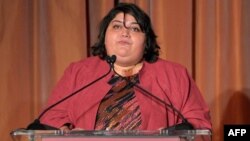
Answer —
(111, 60)
(36, 125)
(185, 125)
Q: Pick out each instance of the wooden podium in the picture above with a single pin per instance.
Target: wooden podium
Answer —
(86, 135)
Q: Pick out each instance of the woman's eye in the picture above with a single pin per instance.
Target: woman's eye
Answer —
(135, 29)
(117, 26)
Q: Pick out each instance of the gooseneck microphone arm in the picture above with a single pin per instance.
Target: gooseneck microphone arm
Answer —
(185, 125)
(110, 61)
(162, 102)
(37, 125)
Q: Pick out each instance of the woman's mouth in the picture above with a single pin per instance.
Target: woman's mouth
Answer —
(124, 43)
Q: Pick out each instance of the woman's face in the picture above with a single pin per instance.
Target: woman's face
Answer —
(125, 39)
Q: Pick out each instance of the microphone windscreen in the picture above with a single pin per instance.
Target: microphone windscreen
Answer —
(36, 125)
(113, 59)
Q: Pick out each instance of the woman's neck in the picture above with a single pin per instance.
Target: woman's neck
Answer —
(128, 70)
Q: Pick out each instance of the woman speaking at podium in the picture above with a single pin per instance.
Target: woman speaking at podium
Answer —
(140, 92)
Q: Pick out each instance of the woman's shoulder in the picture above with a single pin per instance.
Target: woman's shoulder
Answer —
(166, 64)
(88, 63)
(166, 72)
(92, 59)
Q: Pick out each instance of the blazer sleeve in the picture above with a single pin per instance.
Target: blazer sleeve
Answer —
(58, 115)
(194, 107)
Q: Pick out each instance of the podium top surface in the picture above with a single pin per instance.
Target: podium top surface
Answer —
(22, 132)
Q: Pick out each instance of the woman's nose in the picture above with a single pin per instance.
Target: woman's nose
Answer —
(125, 32)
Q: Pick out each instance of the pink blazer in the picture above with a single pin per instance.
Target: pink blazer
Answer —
(166, 80)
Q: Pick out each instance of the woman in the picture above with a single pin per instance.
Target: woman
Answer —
(140, 91)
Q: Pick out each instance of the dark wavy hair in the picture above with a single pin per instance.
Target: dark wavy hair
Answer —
(151, 52)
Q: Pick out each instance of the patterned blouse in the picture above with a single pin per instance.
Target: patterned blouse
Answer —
(119, 109)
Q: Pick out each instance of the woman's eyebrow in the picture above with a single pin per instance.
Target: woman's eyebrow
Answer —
(122, 22)
(117, 21)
